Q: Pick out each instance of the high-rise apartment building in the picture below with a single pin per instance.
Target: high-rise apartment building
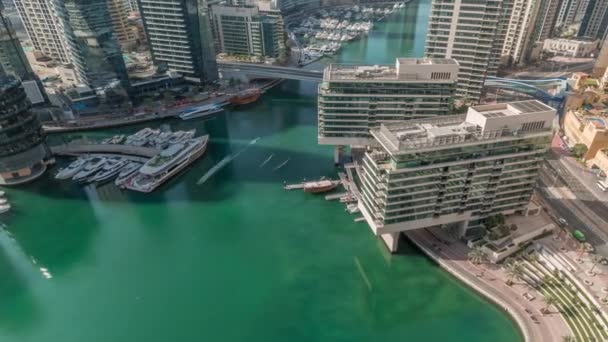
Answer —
(355, 98)
(22, 147)
(119, 14)
(601, 63)
(244, 30)
(595, 22)
(43, 28)
(518, 38)
(12, 59)
(544, 25)
(471, 32)
(454, 171)
(94, 49)
(571, 11)
(180, 37)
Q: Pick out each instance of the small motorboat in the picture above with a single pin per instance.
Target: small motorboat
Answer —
(72, 169)
(4, 208)
(3, 201)
(320, 186)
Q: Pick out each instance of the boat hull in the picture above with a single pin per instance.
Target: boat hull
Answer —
(321, 189)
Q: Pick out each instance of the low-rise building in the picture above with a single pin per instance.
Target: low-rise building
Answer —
(453, 171)
(355, 98)
(587, 127)
(570, 47)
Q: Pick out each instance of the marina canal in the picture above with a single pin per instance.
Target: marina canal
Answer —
(222, 252)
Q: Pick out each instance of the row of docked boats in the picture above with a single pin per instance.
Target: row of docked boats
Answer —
(138, 176)
(4, 205)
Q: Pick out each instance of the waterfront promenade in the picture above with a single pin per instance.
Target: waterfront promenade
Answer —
(490, 281)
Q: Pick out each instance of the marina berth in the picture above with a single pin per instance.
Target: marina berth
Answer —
(109, 170)
(127, 172)
(166, 164)
(72, 169)
(92, 166)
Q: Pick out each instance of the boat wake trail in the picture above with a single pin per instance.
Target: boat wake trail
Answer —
(212, 171)
(281, 165)
(267, 160)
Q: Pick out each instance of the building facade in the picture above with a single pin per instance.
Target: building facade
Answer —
(94, 49)
(12, 59)
(22, 147)
(119, 14)
(454, 171)
(595, 22)
(355, 98)
(571, 47)
(43, 28)
(519, 33)
(180, 38)
(471, 32)
(243, 30)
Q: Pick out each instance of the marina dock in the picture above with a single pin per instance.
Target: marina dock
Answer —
(88, 148)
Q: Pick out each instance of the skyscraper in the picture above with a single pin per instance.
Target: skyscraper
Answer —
(595, 22)
(180, 37)
(22, 147)
(119, 14)
(93, 46)
(455, 170)
(518, 37)
(472, 32)
(12, 58)
(43, 28)
(355, 98)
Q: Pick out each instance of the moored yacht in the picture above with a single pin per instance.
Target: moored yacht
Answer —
(166, 164)
(109, 170)
(72, 169)
(93, 165)
(4, 208)
(126, 172)
(200, 111)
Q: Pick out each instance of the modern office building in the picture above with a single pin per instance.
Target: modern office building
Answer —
(355, 98)
(43, 28)
(119, 14)
(22, 147)
(471, 32)
(12, 58)
(180, 37)
(454, 171)
(94, 48)
(595, 22)
(244, 30)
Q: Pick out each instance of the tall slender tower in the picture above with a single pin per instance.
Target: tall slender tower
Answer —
(12, 59)
(43, 28)
(119, 14)
(472, 32)
(94, 49)
(595, 22)
(180, 37)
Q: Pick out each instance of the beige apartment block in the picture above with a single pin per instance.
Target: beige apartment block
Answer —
(588, 128)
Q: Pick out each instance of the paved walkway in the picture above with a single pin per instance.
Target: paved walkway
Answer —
(490, 280)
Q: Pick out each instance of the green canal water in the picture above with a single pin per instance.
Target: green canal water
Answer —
(235, 258)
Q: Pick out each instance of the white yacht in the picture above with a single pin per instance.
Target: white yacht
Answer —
(127, 172)
(109, 170)
(166, 164)
(3, 201)
(142, 137)
(200, 111)
(2, 193)
(180, 136)
(4, 208)
(94, 165)
(72, 169)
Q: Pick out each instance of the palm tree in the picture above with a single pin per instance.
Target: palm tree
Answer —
(549, 300)
(477, 255)
(595, 260)
(514, 270)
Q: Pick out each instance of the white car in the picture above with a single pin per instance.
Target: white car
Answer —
(562, 221)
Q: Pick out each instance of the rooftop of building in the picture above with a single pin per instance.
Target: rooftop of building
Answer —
(596, 117)
(575, 39)
(481, 123)
(360, 72)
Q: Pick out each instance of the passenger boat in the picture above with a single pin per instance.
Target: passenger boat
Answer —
(4, 208)
(126, 172)
(200, 111)
(94, 165)
(166, 164)
(109, 170)
(246, 96)
(320, 186)
(72, 169)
